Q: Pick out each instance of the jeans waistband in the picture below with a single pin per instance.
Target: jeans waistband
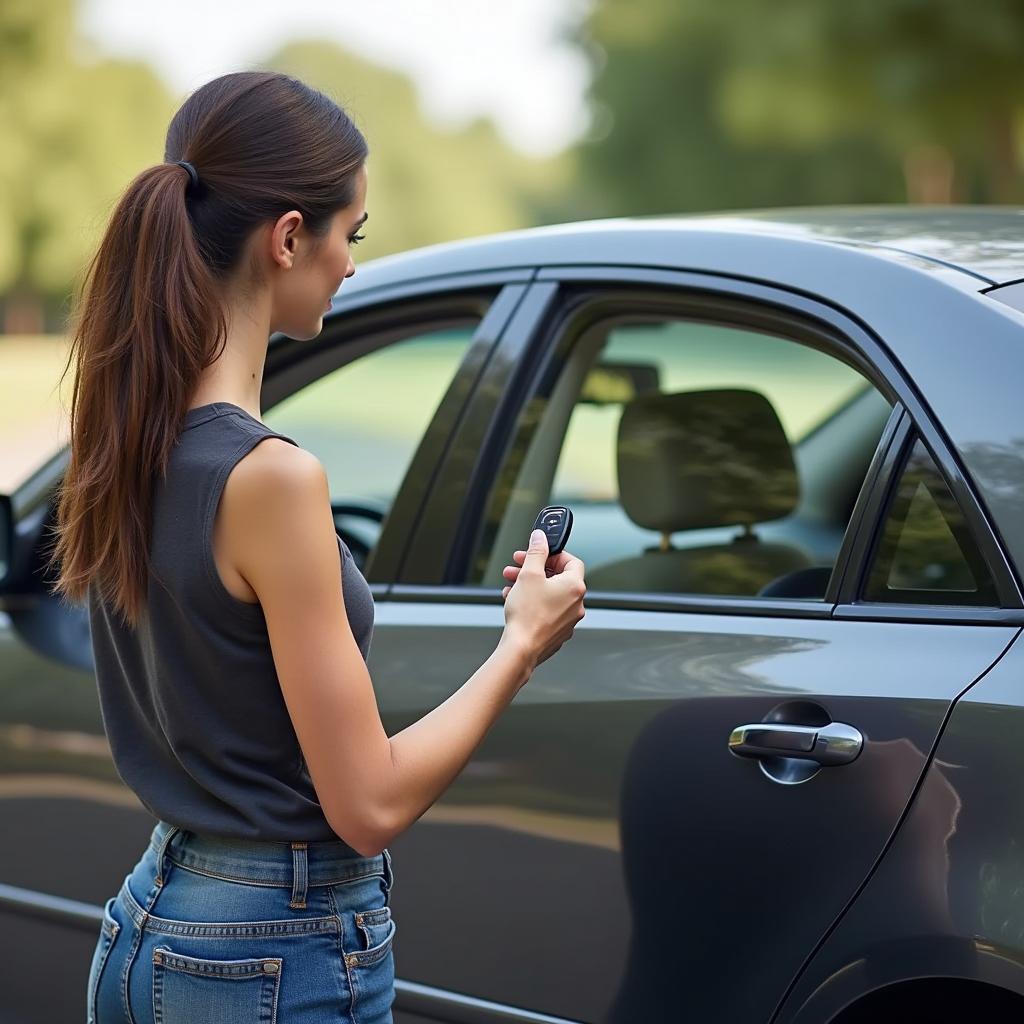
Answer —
(298, 864)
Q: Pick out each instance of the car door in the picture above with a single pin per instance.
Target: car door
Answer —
(375, 398)
(676, 807)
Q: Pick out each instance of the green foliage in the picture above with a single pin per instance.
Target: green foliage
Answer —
(76, 129)
(425, 185)
(729, 103)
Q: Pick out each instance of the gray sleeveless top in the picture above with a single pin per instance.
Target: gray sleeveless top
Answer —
(191, 703)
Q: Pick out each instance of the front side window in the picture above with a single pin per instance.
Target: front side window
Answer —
(365, 420)
(926, 553)
(698, 458)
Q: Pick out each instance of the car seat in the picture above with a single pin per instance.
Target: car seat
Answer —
(698, 459)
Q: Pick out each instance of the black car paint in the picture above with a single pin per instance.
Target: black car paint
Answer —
(896, 296)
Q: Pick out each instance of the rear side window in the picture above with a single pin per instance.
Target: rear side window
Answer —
(699, 458)
(926, 553)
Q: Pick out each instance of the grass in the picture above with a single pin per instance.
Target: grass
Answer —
(30, 366)
(363, 420)
(33, 423)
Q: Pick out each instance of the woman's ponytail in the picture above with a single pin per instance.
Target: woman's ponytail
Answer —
(149, 319)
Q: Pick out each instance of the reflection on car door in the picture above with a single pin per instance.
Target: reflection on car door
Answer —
(605, 855)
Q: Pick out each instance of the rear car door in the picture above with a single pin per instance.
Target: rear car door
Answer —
(790, 582)
(375, 398)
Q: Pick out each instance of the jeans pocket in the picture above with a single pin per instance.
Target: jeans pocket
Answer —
(191, 988)
(371, 966)
(376, 929)
(108, 932)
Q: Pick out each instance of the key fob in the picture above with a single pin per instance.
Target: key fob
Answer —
(556, 522)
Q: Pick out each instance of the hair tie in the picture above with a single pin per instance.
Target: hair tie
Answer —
(192, 173)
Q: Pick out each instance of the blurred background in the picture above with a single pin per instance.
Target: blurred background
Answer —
(484, 118)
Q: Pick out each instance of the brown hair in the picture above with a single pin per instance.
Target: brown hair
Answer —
(149, 318)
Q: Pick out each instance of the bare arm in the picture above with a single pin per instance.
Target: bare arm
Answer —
(370, 786)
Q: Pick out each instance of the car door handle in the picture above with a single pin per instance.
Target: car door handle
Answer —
(830, 744)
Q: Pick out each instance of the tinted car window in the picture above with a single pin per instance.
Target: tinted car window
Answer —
(926, 553)
(698, 458)
(365, 419)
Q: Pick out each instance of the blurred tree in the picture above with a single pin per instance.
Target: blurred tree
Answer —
(937, 82)
(426, 185)
(76, 129)
(707, 105)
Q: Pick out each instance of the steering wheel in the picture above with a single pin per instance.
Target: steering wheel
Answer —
(357, 543)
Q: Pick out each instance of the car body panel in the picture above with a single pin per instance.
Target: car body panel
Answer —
(603, 826)
(574, 784)
(947, 899)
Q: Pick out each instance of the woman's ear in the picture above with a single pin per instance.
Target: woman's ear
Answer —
(284, 238)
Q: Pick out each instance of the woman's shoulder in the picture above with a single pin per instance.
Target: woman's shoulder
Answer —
(276, 466)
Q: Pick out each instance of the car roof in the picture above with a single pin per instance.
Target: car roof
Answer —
(987, 241)
(984, 242)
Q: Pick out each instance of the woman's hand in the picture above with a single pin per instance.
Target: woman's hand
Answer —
(544, 601)
(553, 565)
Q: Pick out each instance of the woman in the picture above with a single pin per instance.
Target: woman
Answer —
(230, 624)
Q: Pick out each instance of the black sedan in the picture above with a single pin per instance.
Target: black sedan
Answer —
(773, 777)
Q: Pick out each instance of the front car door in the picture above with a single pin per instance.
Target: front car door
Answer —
(375, 398)
(680, 803)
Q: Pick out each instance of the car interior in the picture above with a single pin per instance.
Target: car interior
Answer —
(713, 498)
(699, 459)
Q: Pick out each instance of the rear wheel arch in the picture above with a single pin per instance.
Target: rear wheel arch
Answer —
(936, 1000)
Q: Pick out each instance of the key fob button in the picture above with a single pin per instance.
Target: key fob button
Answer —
(556, 522)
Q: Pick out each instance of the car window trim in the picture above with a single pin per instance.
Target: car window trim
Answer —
(441, 434)
(493, 399)
(365, 327)
(352, 297)
(868, 510)
(575, 309)
(849, 601)
(792, 313)
(805, 608)
(877, 363)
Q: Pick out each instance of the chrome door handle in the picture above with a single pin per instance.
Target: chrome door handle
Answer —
(830, 744)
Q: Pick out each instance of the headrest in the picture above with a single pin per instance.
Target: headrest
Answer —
(698, 459)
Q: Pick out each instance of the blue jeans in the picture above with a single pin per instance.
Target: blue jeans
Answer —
(208, 929)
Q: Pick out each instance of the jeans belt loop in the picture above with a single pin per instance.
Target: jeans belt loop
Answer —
(168, 836)
(300, 875)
